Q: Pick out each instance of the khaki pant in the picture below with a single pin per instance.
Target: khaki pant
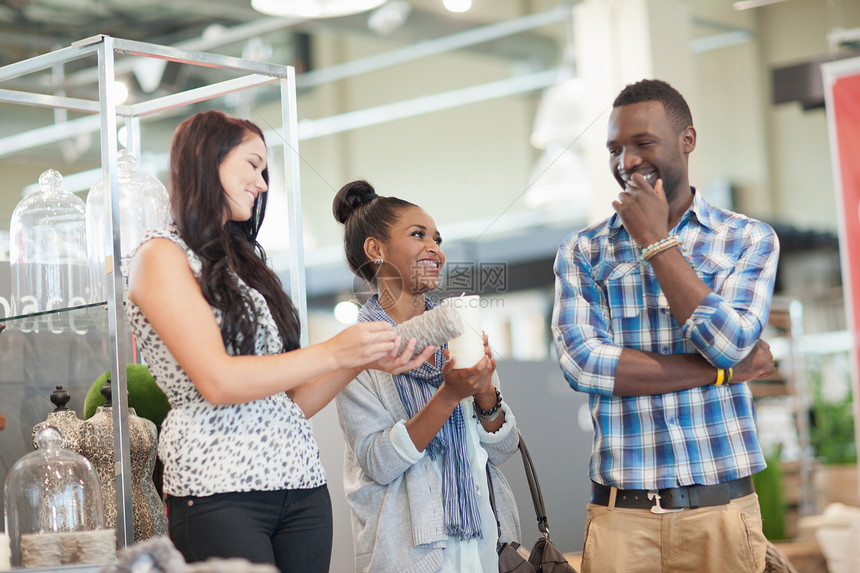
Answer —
(719, 539)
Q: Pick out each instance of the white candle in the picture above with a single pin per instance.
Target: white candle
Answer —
(468, 348)
(5, 553)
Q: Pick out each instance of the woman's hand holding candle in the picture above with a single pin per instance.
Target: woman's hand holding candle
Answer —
(468, 347)
(486, 398)
(462, 383)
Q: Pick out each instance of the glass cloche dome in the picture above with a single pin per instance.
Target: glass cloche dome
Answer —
(143, 205)
(51, 490)
(48, 249)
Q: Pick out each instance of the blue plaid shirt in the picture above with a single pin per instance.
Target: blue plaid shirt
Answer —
(607, 299)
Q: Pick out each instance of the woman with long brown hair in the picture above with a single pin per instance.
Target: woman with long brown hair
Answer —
(242, 474)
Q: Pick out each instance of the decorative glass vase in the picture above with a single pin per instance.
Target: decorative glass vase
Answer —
(51, 491)
(48, 249)
(143, 205)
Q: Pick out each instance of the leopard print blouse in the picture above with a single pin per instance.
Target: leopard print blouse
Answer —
(263, 445)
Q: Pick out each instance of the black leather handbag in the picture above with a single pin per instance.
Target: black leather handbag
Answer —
(545, 557)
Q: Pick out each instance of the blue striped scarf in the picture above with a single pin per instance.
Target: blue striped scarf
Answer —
(415, 388)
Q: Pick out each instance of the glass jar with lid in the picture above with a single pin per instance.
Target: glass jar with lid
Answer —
(50, 491)
(143, 205)
(48, 249)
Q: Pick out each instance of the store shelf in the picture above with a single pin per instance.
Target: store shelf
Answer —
(45, 314)
(769, 388)
(785, 332)
(69, 569)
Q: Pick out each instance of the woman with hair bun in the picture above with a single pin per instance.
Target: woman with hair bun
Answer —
(419, 442)
(242, 472)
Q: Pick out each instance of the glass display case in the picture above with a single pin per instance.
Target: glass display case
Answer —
(72, 345)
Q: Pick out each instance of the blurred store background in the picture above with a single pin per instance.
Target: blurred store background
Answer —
(491, 115)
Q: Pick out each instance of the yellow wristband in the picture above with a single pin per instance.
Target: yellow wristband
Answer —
(721, 377)
(729, 377)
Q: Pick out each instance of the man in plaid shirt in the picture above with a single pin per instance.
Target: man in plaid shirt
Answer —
(658, 316)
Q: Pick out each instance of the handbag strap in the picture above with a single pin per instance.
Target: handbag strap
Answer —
(534, 489)
(493, 505)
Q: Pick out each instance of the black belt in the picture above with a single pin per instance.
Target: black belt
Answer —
(691, 496)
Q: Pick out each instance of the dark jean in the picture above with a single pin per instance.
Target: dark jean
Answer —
(291, 529)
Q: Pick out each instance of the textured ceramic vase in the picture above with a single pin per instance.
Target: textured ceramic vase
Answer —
(153, 499)
(97, 445)
(65, 420)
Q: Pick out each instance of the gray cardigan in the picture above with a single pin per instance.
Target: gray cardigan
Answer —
(397, 515)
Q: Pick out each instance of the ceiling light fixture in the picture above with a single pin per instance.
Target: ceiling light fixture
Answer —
(389, 17)
(346, 312)
(747, 4)
(457, 5)
(559, 117)
(120, 92)
(313, 8)
(559, 179)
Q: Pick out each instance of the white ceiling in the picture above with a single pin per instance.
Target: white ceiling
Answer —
(32, 27)
(230, 27)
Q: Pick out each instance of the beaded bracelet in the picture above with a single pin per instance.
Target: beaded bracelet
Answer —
(659, 247)
(664, 245)
(492, 413)
(688, 258)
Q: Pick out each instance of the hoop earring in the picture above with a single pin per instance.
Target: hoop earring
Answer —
(377, 261)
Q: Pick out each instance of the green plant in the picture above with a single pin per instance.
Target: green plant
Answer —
(144, 395)
(769, 486)
(831, 431)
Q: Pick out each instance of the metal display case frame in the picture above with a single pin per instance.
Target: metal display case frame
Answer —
(109, 113)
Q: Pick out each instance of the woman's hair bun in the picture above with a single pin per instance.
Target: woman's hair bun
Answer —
(350, 197)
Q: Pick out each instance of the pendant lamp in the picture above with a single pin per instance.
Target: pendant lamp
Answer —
(560, 117)
(313, 8)
(558, 180)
